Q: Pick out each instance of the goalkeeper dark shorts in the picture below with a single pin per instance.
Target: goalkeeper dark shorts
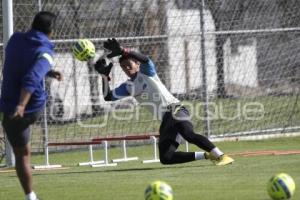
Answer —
(18, 129)
(167, 130)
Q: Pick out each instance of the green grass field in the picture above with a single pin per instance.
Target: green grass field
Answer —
(228, 118)
(200, 180)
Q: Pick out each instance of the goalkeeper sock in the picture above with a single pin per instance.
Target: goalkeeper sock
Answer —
(31, 196)
(199, 156)
(216, 152)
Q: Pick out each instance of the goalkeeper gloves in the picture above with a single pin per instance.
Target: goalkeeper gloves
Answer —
(102, 68)
(114, 46)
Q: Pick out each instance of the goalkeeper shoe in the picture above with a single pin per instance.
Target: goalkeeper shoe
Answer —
(209, 156)
(224, 160)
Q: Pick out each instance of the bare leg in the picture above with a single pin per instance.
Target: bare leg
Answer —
(23, 168)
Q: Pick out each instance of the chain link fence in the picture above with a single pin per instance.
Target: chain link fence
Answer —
(251, 53)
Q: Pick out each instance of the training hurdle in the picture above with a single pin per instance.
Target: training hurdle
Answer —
(124, 139)
(104, 141)
(155, 157)
(74, 143)
(153, 139)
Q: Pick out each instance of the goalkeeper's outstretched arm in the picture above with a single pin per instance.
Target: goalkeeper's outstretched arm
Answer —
(135, 55)
(104, 70)
(109, 95)
(117, 50)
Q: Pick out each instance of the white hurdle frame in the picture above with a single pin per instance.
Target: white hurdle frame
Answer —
(47, 163)
(91, 157)
(105, 163)
(125, 158)
(155, 159)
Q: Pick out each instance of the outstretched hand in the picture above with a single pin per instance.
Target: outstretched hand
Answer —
(114, 46)
(102, 67)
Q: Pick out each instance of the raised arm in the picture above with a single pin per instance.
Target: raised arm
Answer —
(109, 95)
(147, 66)
(104, 70)
(117, 50)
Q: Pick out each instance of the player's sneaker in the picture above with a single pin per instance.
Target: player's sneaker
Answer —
(209, 156)
(224, 160)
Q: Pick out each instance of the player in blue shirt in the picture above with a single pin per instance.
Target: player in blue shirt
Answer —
(145, 86)
(28, 59)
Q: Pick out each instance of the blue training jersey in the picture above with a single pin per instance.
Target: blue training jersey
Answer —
(28, 58)
(147, 89)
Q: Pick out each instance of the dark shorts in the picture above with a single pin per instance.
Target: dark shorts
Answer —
(18, 129)
(167, 131)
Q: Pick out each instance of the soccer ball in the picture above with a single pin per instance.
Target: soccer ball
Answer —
(83, 49)
(158, 190)
(281, 187)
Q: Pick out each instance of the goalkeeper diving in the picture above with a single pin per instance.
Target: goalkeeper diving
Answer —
(146, 87)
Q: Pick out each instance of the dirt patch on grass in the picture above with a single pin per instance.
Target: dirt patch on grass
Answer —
(266, 152)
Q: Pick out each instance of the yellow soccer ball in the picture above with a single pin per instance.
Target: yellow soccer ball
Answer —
(158, 190)
(83, 50)
(281, 187)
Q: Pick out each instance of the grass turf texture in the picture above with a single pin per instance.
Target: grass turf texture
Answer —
(229, 117)
(200, 180)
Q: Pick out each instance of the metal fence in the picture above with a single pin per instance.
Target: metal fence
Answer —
(234, 64)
